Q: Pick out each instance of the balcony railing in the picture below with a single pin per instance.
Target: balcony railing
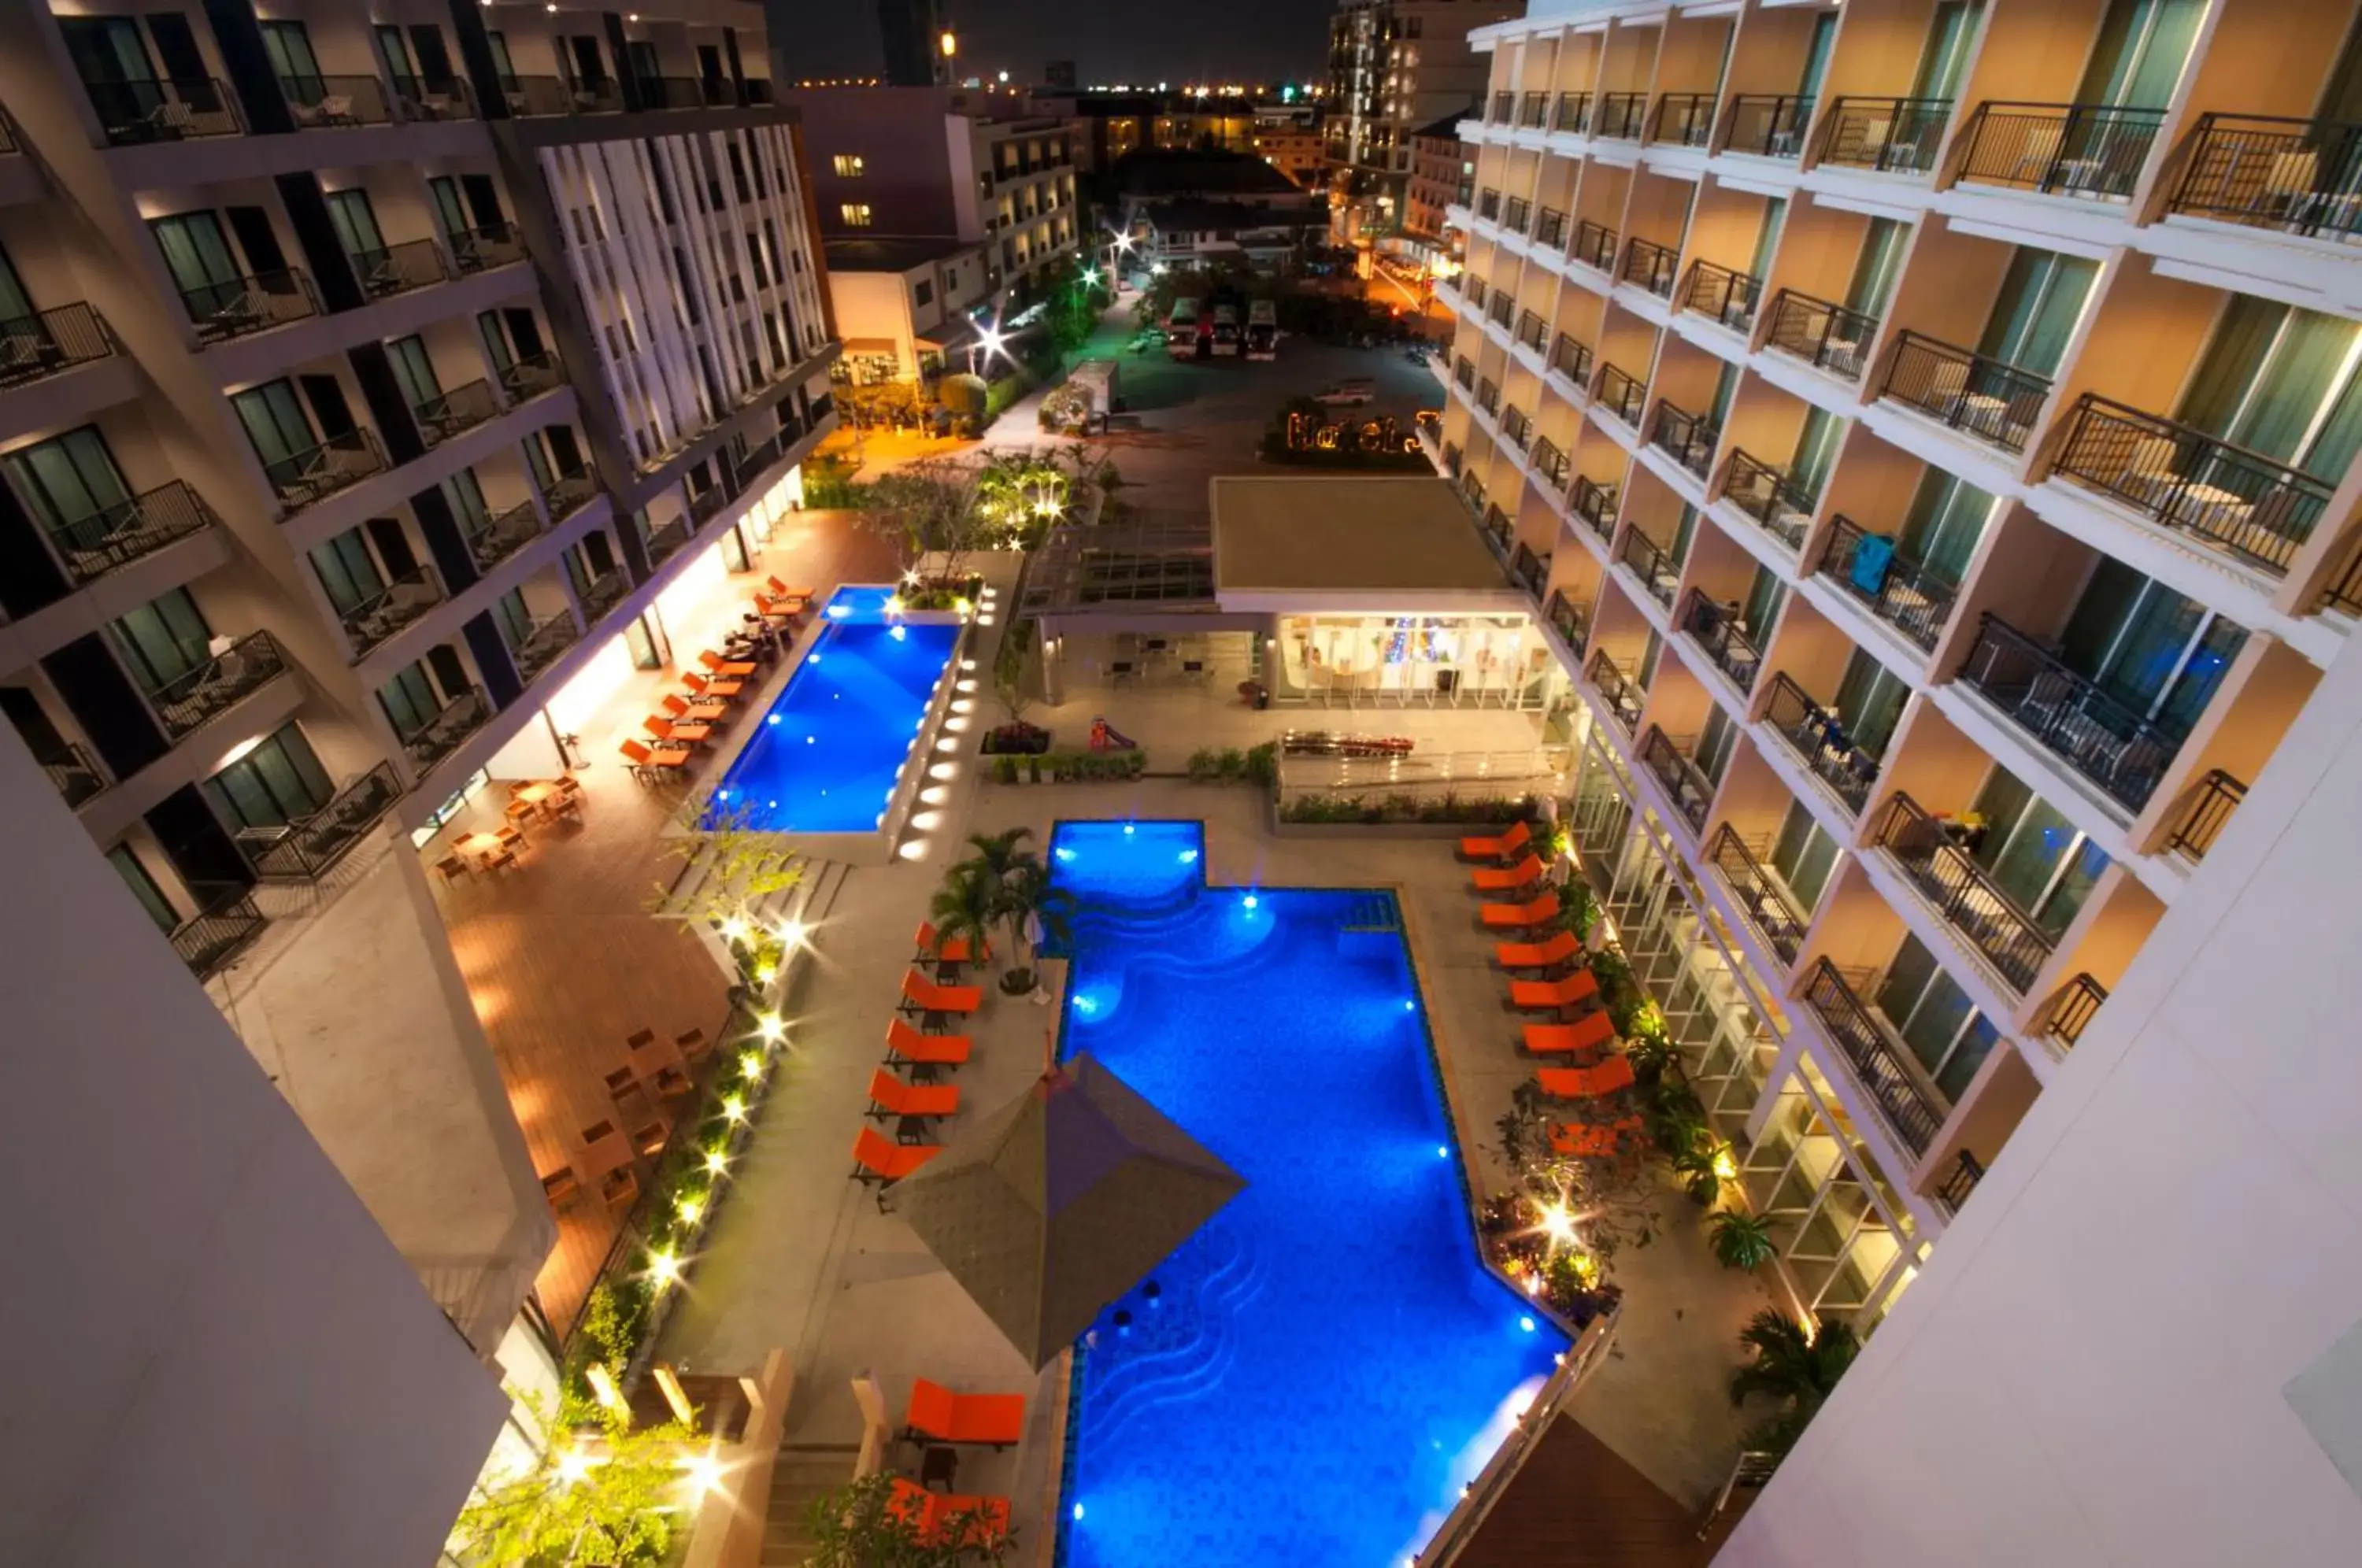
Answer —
(1595, 504)
(2072, 1009)
(1616, 687)
(1621, 115)
(1721, 294)
(73, 773)
(179, 109)
(245, 666)
(1488, 205)
(1996, 402)
(1595, 246)
(236, 307)
(1550, 228)
(2238, 503)
(1691, 791)
(1551, 463)
(392, 608)
(541, 644)
(1464, 374)
(1878, 1060)
(441, 735)
(1505, 108)
(1488, 397)
(225, 924)
(398, 268)
(1572, 360)
(570, 492)
(1530, 571)
(343, 459)
(1889, 584)
(532, 375)
(1689, 439)
(1976, 907)
(2345, 590)
(2076, 149)
(320, 103)
(1622, 395)
(1497, 530)
(304, 851)
(426, 98)
(1502, 308)
(34, 348)
(1770, 496)
(1886, 135)
(2068, 713)
(1760, 897)
(504, 535)
(1658, 572)
(1571, 112)
(462, 408)
(1531, 330)
(1955, 1186)
(2218, 795)
(1716, 630)
(1819, 741)
(1766, 125)
(666, 542)
(602, 594)
(492, 245)
(1533, 110)
(672, 93)
(1684, 119)
(1570, 621)
(2303, 177)
(1516, 214)
(1517, 428)
(533, 96)
(91, 546)
(1827, 335)
(1652, 266)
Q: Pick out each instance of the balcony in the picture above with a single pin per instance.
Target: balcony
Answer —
(225, 924)
(1770, 496)
(1955, 1186)
(1570, 621)
(51, 342)
(1878, 1059)
(337, 463)
(1595, 504)
(2071, 1010)
(1516, 214)
(2068, 714)
(1683, 119)
(1768, 126)
(1996, 402)
(602, 594)
(1571, 113)
(2218, 795)
(179, 108)
(1505, 109)
(73, 774)
(1980, 913)
(1553, 466)
(570, 491)
(1688, 439)
(533, 97)
(531, 376)
(1550, 228)
(1815, 738)
(1488, 205)
(441, 735)
(1652, 266)
(1716, 630)
(1529, 571)
(221, 682)
(1497, 530)
(304, 851)
(423, 99)
(396, 605)
(239, 307)
(1691, 791)
(1615, 689)
(1722, 295)
(462, 408)
(1761, 898)
(481, 250)
(672, 93)
(1517, 428)
(1502, 308)
(1885, 136)
(1658, 572)
(1488, 398)
(1463, 374)
(1533, 110)
(1532, 331)
(1889, 584)
(97, 545)
(1572, 360)
(1620, 395)
(2072, 150)
(664, 543)
(541, 644)
(1825, 336)
(1595, 246)
(2302, 177)
(398, 268)
(2238, 503)
(1621, 115)
(322, 103)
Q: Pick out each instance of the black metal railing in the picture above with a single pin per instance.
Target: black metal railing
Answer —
(1488, 396)
(1650, 265)
(2345, 590)
(1595, 246)
(1516, 427)
(225, 924)
(343, 459)
(1715, 629)
(1533, 110)
(1686, 785)
(1659, 572)
(1552, 465)
(1530, 571)
(1488, 204)
(330, 101)
(1976, 907)
(672, 92)
(1886, 135)
(246, 666)
(504, 535)
(487, 246)
(533, 97)
(426, 98)
(571, 490)
(73, 774)
(1497, 530)
(1818, 740)
(9, 142)
(1891, 585)
(1516, 214)
(462, 408)
(1502, 308)
(178, 108)
(1531, 330)
(1617, 689)
(2072, 1009)
(398, 268)
(1464, 374)
(1571, 112)
(392, 607)
(1686, 119)
(1595, 504)
(1622, 395)
(1766, 125)
(1572, 360)
(1722, 294)
(2241, 503)
(2301, 176)
(2216, 797)
(1770, 496)
(237, 306)
(49, 341)
(1621, 115)
(302, 851)
(1570, 621)
(2077, 149)
(706, 504)
(1761, 899)
(439, 736)
(1954, 1189)
(1505, 108)
(1550, 228)
(91, 546)
(1820, 333)
(1689, 439)
(532, 375)
(543, 643)
(666, 542)
(2067, 712)
(1879, 1062)
(1996, 402)
(602, 594)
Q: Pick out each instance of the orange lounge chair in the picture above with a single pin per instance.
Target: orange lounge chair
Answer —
(1559, 948)
(705, 687)
(924, 1053)
(889, 1095)
(1499, 849)
(1518, 917)
(679, 734)
(875, 1160)
(1585, 1141)
(1504, 879)
(1564, 991)
(714, 715)
(931, 1513)
(1593, 1031)
(1585, 1083)
(738, 669)
(938, 1415)
(932, 949)
(647, 763)
(784, 592)
(922, 995)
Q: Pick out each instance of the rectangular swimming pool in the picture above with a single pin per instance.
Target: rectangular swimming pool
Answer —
(827, 755)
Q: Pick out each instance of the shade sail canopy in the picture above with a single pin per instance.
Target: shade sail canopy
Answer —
(1060, 1201)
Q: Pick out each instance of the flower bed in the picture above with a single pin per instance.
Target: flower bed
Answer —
(1372, 811)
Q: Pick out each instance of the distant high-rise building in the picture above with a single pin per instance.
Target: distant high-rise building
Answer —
(912, 32)
(1059, 73)
(1395, 66)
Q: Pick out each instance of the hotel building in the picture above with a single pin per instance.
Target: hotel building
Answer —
(1394, 66)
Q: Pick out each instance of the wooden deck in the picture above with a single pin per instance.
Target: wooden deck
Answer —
(1576, 1504)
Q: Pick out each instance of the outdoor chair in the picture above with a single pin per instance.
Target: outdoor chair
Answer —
(938, 1415)
(710, 715)
(1499, 847)
(1518, 917)
(677, 734)
(922, 994)
(451, 867)
(1588, 1142)
(879, 1162)
(1593, 1031)
(923, 1053)
(1564, 991)
(1559, 948)
(930, 1512)
(647, 765)
(1585, 1083)
(704, 686)
(1506, 880)
(720, 665)
(932, 948)
(889, 1095)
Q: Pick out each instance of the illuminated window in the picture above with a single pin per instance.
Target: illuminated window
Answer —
(855, 213)
(848, 166)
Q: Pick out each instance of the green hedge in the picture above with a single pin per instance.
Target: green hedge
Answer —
(1384, 809)
(1071, 767)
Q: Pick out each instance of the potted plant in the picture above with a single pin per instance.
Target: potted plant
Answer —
(965, 906)
(1795, 1366)
(1741, 1240)
(1033, 910)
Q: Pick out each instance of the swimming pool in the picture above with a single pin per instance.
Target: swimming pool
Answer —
(1325, 1365)
(826, 756)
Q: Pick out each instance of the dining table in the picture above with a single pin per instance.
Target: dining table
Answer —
(480, 847)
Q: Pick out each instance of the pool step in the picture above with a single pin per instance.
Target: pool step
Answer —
(1376, 913)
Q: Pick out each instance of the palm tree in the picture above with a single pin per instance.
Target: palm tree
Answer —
(1794, 1367)
(964, 907)
(1028, 895)
(998, 853)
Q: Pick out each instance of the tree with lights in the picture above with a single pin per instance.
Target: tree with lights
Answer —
(599, 1491)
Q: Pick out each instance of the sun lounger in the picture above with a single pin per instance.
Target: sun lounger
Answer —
(1585, 1142)
(876, 1161)
(1585, 1083)
(1517, 917)
(720, 665)
(938, 1415)
(889, 1095)
(922, 995)
(1564, 991)
(649, 764)
(1499, 849)
(1560, 947)
(1503, 879)
(1593, 1031)
(931, 1513)
(924, 1053)
(933, 949)
(706, 686)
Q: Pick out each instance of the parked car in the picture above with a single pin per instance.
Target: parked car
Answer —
(1350, 393)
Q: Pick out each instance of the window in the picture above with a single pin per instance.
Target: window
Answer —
(855, 213)
(1935, 1017)
(415, 370)
(289, 46)
(1715, 741)
(198, 255)
(2282, 382)
(347, 572)
(1803, 854)
(410, 701)
(2159, 654)
(1868, 702)
(849, 165)
(162, 640)
(2034, 851)
(1874, 270)
(69, 482)
(514, 620)
(922, 293)
(277, 424)
(2141, 49)
(354, 221)
(1944, 523)
(2041, 298)
(279, 782)
(143, 887)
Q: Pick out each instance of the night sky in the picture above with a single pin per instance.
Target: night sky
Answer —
(1108, 40)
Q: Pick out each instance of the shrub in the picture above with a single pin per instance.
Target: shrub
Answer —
(1263, 764)
(1402, 809)
(1230, 765)
(1004, 769)
(1203, 763)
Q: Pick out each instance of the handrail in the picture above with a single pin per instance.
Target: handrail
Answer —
(1717, 631)
(337, 463)
(2072, 1009)
(1722, 293)
(1595, 504)
(1621, 115)
(1689, 439)
(462, 408)
(2303, 177)
(1553, 465)
(326, 102)
(48, 342)
(2239, 503)
(1995, 402)
(1954, 1189)
(235, 307)
(2218, 795)
(1764, 902)
(1530, 571)
(302, 850)
(1571, 113)
(398, 268)
(225, 924)
(1572, 360)
(603, 592)
(1516, 427)
(187, 700)
(1501, 307)
(76, 776)
(1691, 118)
(1876, 1062)
(397, 604)
(1517, 214)
(1531, 330)
(2077, 150)
(1570, 621)
(1550, 228)
(541, 644)
(173, 108)
(1821, 333)
(1622, 697)
(504, 535)
(1659, 572)
(429, 98)
(487, 246)
(1488, 204)
(453, 723)
(1650, 265)
(665, 542)
(1463, 373)
(1488, 396)
(1770, 496)
(672, 93)
(1685, 782)
(2067, 712)
(91, 546)
(1533, 110)
(1885, 135)
(2345, 590)
(1975, 906)
(572, 489)
(1594, 245)
(1894, 586)
(1768, 124)
(1498, 529)
(533, 374)
(1504, 106)
(1817, 739)
(1624, 397)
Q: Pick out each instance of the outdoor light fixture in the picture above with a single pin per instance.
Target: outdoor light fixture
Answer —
(750, 1063)
(950, 43)
(734, 930)
(573, 1464)
(792, 934)
(701, 1474)
(690, 1208)
(716, 1162)
(734, 1109)
(664, 1268)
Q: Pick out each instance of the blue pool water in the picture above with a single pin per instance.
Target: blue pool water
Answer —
(1325, 1363)
(826, 755)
